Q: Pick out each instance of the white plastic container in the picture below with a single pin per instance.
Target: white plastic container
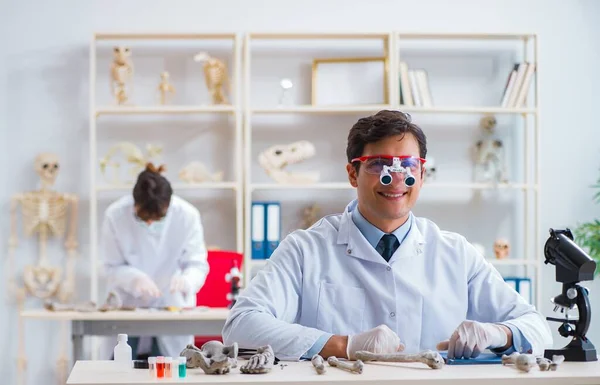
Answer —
(122, 353)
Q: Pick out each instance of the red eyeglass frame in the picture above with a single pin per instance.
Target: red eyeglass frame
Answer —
(367, 157)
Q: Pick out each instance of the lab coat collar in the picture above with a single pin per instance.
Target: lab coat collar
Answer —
(359, 247)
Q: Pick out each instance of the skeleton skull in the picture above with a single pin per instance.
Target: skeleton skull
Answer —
(274, 159)
(46, 166)
(501, 248)
(121, 55)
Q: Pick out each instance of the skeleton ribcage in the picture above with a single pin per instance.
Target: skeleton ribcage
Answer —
(215, 75)
(47, 211)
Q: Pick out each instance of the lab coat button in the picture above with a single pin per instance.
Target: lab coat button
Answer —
(388, 268)
(349, 251)
(392, 314)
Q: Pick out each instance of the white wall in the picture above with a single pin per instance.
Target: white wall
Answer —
(44, 98)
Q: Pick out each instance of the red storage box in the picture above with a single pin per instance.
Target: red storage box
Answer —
(216, 288)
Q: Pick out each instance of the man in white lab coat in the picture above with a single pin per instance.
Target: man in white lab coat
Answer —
(376, 277)
(154, 254)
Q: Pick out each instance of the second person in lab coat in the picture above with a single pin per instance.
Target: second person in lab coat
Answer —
(154, 254)
(378, 278)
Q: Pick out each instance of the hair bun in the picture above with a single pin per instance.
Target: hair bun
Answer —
(152, 168)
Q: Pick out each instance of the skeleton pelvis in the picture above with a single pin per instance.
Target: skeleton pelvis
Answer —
(42, 281)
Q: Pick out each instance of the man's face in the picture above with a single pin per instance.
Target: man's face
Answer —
(387, 207)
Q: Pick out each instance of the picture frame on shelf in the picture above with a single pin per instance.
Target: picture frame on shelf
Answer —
(349, 81)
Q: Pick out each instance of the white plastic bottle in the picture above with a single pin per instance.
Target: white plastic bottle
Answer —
(122, 353)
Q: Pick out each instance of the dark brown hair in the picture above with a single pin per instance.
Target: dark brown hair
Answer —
(152, 193)
(382, 125)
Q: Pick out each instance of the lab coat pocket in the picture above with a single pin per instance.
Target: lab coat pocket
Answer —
(340, 308)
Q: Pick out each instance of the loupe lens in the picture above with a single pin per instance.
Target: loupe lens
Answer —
(386, 179)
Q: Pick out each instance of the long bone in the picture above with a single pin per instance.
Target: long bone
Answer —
(356, 367)
(429, 357)
(318, 363)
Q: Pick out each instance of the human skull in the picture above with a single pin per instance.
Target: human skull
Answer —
(46, 166)
(121, 55)
(501, 248)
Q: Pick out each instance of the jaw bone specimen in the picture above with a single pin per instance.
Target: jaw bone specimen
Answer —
(44, 212)
(274, 159)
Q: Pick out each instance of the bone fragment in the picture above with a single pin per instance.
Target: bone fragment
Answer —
(525, 362)
(318, 363)
(356, 367)
(430, 358)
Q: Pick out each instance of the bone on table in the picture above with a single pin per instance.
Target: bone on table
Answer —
(430, 358)
(318, 363)
(261, 362)
(356, 367)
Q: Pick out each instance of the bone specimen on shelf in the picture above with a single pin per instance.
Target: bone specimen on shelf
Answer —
(275, 158)
(355, 367)
(197, 172)
(261, 362)
(430, 358)
(215, 77)
(133, 155)
(121, 71)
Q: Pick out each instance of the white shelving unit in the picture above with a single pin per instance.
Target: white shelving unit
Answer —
(100, 111)
(247, 115)
(532, 259)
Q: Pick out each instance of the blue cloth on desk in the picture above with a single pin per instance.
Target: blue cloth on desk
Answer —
(482, 359)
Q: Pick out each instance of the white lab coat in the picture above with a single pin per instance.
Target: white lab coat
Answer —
(328, 278)
(129, 249)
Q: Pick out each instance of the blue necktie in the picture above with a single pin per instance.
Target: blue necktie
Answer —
(387, 246)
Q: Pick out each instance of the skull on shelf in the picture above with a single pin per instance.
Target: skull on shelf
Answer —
(46, 166)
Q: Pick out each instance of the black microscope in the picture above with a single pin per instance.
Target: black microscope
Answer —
(573, 265)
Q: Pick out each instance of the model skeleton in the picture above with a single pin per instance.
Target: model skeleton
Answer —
(44, 212)
(215, 76)
(490, 162)
(274, 159)
(132, 154)
(121, 71)
(165, 88)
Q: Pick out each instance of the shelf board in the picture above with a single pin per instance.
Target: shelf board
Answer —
(316, 186)
(161, 36)
(141, 110)
(512, 262)
(176, 186)
(467, 110)
(309, 109)
(474, 36)
(318, 35)
(477, 186)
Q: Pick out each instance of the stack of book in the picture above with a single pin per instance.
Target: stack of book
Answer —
(517, 85)
(414, 87)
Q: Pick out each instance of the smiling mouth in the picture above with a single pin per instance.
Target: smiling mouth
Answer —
(392, 195)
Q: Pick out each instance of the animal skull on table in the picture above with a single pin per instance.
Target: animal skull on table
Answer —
(213, 357)
(275, 158)
(44, 212)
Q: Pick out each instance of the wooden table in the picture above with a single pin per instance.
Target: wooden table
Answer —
(201, 321)
(296, 373)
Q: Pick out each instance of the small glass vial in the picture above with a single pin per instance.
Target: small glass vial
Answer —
(152, 366)
(160, 367)
(182, 367)
(168, 367)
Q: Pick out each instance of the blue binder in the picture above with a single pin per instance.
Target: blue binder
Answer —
(522, 286)
(265, 228)
(482, 359)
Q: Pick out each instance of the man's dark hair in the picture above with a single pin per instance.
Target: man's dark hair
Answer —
(376, 127)
(152, 193)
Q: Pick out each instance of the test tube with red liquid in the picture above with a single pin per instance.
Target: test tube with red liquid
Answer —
(160, 366)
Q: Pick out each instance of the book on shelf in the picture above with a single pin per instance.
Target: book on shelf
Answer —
(517, 85)
(414, 87)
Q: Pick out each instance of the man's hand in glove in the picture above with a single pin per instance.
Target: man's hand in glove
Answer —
(145, 286)
(471, 338)
(381, 339)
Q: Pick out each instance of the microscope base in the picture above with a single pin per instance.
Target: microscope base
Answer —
(576, 350)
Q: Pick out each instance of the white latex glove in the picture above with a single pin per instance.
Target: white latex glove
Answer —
(381, 339)
(145, 286)
(181, 283)
(471, 337)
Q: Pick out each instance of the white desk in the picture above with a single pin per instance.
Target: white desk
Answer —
(296, 373)
(208, 321)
